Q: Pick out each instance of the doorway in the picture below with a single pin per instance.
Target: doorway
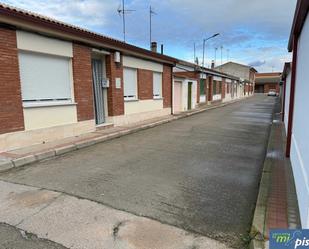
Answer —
(189, 95)
(97, 79)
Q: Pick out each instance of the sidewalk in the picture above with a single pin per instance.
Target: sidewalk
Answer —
(277, 201)
(39, 152)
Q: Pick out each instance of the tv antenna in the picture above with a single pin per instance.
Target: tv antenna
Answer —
(122, 12)
(151, 12)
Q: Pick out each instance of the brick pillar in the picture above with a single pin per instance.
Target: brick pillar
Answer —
(114, 95)
(210, 88)
(167, 86)
(223, 89)
(145, 84)
(82, 77)
(198, 81)
(11, 110)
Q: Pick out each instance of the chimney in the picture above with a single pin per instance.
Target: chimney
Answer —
(154, 47)
(212, 64)
(161, 48)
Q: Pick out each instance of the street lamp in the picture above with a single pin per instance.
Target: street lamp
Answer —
(204, 41)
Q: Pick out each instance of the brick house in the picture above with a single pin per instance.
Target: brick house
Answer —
(296, 102)
(59, 80)
(244, 72)
(265, 82)
(195, 85)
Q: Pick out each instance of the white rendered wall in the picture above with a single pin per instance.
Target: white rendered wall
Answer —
(300, 131)
(133, 62)
(287, 101)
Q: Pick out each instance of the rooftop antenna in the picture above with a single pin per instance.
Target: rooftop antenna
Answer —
(122, 11)
(151, 12)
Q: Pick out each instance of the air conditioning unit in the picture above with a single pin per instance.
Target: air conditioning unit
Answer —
(117, 57)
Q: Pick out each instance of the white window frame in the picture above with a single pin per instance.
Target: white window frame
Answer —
(38, 102)
(130, 97)
(155, 95)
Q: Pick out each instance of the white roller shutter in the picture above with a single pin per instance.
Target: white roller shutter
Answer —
(157, 85)
(44, 77)
(130, 83)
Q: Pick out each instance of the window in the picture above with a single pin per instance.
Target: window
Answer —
(130, 83)
(45, 77)
(157, 85)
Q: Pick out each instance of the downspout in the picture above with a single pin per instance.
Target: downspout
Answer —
(292, 96)
(172, 93)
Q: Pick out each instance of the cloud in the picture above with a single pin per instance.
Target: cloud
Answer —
(257, 63)
(252, 30)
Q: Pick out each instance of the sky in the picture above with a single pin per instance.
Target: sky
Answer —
(252, 32)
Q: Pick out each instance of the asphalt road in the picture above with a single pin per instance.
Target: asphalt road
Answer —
(12, 238)
(199, 173)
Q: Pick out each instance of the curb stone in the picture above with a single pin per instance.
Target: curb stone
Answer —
(36, 157)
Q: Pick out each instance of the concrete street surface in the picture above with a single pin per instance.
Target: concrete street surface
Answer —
(199, 174)
(12, 238)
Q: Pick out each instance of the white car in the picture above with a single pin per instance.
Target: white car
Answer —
(272, 93)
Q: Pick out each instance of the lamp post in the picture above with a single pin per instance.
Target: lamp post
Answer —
(204, 42)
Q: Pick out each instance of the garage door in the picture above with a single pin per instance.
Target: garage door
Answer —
(177, 97)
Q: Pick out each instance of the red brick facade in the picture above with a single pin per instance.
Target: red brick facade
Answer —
(11, 110)
(114, 95)
(210, 87)
(167, 86)
(145, 84)
(271, 86)
(82, 77)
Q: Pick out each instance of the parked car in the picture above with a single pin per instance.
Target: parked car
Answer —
(272, 93)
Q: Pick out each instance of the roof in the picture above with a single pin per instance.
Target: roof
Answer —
(206, 70)
(300, 15)
(274, 77)
(286, 69)
(38, 23)
(231, 62)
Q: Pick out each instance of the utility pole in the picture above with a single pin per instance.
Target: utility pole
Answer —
(151, 12)
(204, 43)
(228, 55)
(194, 53)
(122, 11)
(221, 54)
(216, 55)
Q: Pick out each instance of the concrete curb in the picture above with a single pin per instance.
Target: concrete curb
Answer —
(54, 152)
(258, 231)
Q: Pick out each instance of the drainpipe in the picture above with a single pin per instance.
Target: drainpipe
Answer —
(172, 93)
(292, 96)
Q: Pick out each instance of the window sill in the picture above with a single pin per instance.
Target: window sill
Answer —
(49, 104)
(131, 100)
(158, 98)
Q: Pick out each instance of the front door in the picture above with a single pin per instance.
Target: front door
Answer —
(177, 97)
(189, 95)
(97, 77)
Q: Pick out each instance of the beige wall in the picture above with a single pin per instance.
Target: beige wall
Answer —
(15, 140)
(133, 62)
(37, 43)
(44, 117)
(148, 105)
(138, 117)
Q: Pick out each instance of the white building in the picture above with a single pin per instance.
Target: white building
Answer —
(296, 103)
